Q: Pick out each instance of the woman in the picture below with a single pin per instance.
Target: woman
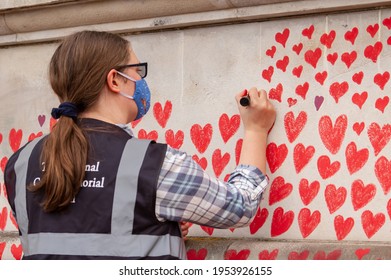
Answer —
(90, 190)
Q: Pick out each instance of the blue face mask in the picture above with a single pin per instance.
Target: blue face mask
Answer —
(142, 95)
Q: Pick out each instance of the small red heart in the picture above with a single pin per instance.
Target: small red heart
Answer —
(238, 150)
(373, 52)
(297, 48)
(360, 253)
(381, 79)
(234, 255)
(291, 101)
(342, 227)
(308, 191)
(162, 115)
(383, 174)
(136, 122)
(301, 90)
(270, 52)
(228, 126)
(372, 223)
(174, 140)
(201, 254)
(337, 90)
(307, 32)
(293, 126)
(276, 93)
(208, 230)
(267, 74)
(219, 162)
(298, 256)
(349, 58)
(357, 77)
(360, 98)
(312, 57)
(332, 58)
(387, 23)
(361, 195)
(351, 35)
(201, 161)
(379, 137)
(279, 190)
(32, 136)
(301, 156)
(282, 37)
(355, 160)
(281, 221)
(372, 29)
(321, 77)
(153, 135)
(358, 127)
(259, 220)
(321, 255)
(282, 64)
(3, 218)
(17, 251)
(328, 39)
(3, 163)
(266, 255)
(297, 71)
(308, 222)
(15, 139)
(381, 103)
(334, 197)
(275, 155)
(201, 136)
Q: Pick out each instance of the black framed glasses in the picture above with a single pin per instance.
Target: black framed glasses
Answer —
(142, 68)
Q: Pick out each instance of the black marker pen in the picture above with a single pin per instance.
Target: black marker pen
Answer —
(245, 99)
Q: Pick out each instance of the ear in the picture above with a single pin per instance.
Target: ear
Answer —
(112, 81)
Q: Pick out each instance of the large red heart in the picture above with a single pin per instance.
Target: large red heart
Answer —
(332, 136)
(334, 255)
(228, 126)
(201, 136)
(293, 126)
(355, 160)
(307, 221)
(15, 139)
(174, 140)
(301, 156)
(281, 221)
(259, 220)
(162, 115)
(342, 227)
(372, 223)
(279, 190)
(3, 218)
(383, 174)
(326, 168)
(361, 194)
(275, 155)
(219, 162)
(337, 90)
(334, 197)
(266, 255)
(312, 57)
(201, 254)
(308, 192)
(379, 137)
(234, 255)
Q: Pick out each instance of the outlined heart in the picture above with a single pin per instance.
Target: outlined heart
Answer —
(302, 156)
(259, 220)
(201, 254)
(15, 139)
(308, 191)
(355, 160)
(266, 255)
(201, 136)
(343, 227)
(281, 221)
(379, 136)
(228, 126)
(279, 190)
(334, 197)
(298, 256)
(219, 162)
(372, 223)
(332, 135)
(337, 90)
(383, 174)
(174, 140)
(235, 255)
(162, 115)
(333, 255)
(361, 195)
(293, 126)
(327, 169)
(308, 222)
(275, 155)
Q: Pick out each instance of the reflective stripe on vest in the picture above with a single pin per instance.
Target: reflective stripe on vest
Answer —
(120, 242)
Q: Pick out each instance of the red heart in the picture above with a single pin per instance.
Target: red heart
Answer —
(302, 90)
(282, 63)
(381, 79)
(15, 138)
(208, 230)
(358, 127)
(357, 77)
(3, 218)
(17, 251)
(238, 150)
(1, 138)
(153, 135)
(351, 35)
(307, 221)
(381, 103)
(282, 37)
(298, 256)
(297, 48)
(372, 29)
(2, 247)
(219, 162)
(328, 39)
(267, 74)
(276, 93)
(275, 155)
(355, 160)
(359, 99)
(308, 192)
(135, 123)
(201, 162)
(259, 220)
(334, 197)
(342, 227)
(332, 136)
(162, 115)
(383, 174)
(337, 90)
(174, 140)
(349, 58)
(201, 136)
(301, 156)
(373, 52)
(372, 223)
(279, 190)
(281, 221)
(265, 255)
(307, 32)
(360, 253)
(3, 163)
(234, 255)
(379, 137)
(291, 101)
(201, 254)
(389, 208)
(52, 123)
(228, 126)
(293, 126)
(270, 52)
(362, 195)
(321, 255)
(297, 71)
(387, 22)
(332, 58)
(32, 136)
(321, 77)
(312, 57)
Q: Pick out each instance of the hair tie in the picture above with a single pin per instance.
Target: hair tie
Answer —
(66, 109)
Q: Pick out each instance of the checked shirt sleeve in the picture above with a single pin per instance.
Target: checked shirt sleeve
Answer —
(186, 193)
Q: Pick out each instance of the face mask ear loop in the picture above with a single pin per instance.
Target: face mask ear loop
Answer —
(126, 76)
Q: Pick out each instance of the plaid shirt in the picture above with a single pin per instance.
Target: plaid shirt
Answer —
(185, 192)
